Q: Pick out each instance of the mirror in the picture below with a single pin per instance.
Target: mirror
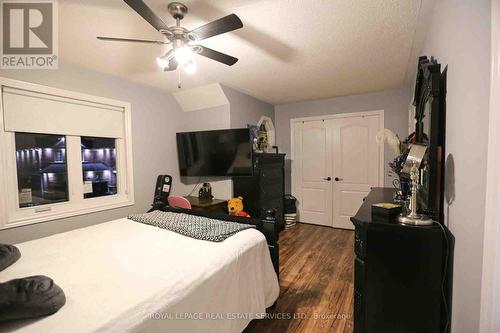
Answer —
(425, 172)
(426, 121)
(430, 91)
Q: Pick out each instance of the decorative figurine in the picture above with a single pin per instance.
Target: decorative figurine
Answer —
(205, 193)
(263, 145)
(255, 146)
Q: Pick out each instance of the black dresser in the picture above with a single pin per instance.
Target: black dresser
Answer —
(265, 189)
(398, 274)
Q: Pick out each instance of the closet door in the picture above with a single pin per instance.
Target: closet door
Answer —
(356, 165)
(312, 166)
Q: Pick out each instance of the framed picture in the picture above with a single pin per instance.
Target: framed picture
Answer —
(271, 136)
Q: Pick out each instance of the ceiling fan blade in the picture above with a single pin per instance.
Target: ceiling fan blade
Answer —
(217, 56)
(142, 9)
(112, 39)
(217, 27)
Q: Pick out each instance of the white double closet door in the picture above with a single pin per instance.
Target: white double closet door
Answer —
(335, 162)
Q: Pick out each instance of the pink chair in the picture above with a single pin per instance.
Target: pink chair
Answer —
(177, 201)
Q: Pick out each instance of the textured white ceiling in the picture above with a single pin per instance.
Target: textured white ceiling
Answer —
(288, 50)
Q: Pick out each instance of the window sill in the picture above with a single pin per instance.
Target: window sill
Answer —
(14, 222)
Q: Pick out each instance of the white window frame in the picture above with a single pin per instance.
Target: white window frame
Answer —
(12, 216)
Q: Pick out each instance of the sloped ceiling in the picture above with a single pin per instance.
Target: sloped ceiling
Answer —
(288, 50)
(202, 97)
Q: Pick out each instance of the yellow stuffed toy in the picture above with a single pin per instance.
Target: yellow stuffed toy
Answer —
(235, 207)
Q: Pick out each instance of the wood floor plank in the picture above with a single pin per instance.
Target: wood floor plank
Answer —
(316, 282)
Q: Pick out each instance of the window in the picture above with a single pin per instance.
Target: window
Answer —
(99, 167)
(64, 154)
(42, 176)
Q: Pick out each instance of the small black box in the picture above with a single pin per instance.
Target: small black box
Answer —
(386, 211)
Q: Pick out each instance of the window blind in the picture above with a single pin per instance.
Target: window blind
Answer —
(34, 112)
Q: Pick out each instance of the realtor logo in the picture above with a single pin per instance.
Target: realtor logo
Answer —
(29, 34)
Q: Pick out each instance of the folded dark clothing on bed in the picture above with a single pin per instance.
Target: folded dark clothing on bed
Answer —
(30, 297)
(9, 254)
(194, 226)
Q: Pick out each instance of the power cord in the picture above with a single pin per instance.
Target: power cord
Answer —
(445, 271)
(194, 188)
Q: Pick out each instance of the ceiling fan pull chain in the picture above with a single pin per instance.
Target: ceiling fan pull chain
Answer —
(179, 79)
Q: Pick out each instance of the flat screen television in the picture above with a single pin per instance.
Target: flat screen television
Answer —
(219, 153)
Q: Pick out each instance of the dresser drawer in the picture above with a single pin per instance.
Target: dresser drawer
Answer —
(360, 242)
(359, 295)
(358, 312)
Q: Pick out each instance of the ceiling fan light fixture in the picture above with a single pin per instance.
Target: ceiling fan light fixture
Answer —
(162, 62)
(165, 61)
(190, 67)
(183, 55)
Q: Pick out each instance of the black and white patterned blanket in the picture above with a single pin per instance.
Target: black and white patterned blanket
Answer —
(198, 227)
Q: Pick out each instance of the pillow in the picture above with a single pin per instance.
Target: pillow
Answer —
(9, 254)
(30, 297)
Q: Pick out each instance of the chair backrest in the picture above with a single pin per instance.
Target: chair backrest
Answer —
(178, 202)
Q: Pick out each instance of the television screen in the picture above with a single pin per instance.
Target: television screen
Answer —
(215, 153)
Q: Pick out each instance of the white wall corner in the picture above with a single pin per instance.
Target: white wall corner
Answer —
(490, 287)
(199, 98)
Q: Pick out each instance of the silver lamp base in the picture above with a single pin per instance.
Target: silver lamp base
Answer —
(416, 219)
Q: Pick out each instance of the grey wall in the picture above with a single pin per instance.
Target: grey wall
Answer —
(206, 119)
(246, 109)
(156, 118)
(394, 103)
(459, 36)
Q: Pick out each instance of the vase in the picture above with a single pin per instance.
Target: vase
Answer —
(404, 185)
(403, 190)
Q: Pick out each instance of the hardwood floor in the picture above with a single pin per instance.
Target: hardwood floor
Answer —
(316, 282)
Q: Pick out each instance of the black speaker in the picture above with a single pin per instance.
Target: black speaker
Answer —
(162, 190)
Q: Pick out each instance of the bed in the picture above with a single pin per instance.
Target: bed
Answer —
(124, 276)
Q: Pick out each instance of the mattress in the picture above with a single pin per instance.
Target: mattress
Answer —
(124, 276)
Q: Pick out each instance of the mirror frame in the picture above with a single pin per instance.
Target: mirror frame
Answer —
(431, 86)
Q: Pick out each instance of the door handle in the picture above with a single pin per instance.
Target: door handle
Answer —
(327, 178)
(337, 179)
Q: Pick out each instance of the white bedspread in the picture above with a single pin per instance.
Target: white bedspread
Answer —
(125, 276)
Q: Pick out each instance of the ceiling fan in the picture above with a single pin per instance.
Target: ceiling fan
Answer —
(182, 39)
